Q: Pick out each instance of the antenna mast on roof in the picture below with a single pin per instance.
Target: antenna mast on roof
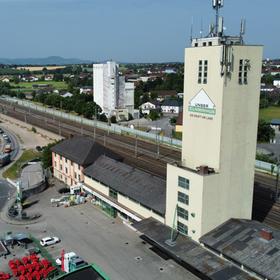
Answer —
(217, 5)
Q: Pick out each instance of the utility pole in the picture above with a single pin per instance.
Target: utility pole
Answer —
(59, 128)
(136, 145)
(82, 132)
(277, 180)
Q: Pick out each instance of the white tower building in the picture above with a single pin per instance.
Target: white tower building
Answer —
(214, 180)
(111, 92)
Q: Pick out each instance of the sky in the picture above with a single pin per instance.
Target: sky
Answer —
(127, 30)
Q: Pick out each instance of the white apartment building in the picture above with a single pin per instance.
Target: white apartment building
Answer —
(110, 91)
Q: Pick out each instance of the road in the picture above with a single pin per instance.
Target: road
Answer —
(6, 191)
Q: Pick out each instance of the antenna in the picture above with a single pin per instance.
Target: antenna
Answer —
(217, 5)
(191, 30)
(242, 29)
(201, 28)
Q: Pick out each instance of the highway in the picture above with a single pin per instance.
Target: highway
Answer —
(148, 156)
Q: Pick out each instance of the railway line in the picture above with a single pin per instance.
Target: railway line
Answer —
(150, 157)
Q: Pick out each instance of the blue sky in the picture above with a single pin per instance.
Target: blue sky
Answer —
(126, 30)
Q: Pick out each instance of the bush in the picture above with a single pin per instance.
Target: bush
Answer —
(33, 129)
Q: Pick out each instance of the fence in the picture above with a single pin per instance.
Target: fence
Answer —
(266, 166)
(113, 128)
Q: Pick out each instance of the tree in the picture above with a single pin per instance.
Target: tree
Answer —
(265, 131)
(113, 119)
(47, 155)
(102, 118)
(154, 115)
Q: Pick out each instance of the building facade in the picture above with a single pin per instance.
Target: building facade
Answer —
(214, 180)
(110, 91)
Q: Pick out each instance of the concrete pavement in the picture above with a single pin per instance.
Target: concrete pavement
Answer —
(97, 238)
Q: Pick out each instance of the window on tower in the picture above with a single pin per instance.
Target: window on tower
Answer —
(183, 198)
(183, 183)
(243, 72)
(183, 229)
(202, 71)
(183, 213)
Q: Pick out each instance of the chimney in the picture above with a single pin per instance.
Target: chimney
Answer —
(266, 234)
(203, 170)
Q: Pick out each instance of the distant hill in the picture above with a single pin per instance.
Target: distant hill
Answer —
(51, 60)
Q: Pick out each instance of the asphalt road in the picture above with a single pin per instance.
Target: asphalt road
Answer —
(6, 190)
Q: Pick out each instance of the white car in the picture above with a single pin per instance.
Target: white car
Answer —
(49, 241)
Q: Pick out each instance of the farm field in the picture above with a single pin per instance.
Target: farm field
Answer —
(28, 85)
(39, 68)
(272, 112)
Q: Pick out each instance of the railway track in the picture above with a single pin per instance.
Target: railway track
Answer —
(147, 156)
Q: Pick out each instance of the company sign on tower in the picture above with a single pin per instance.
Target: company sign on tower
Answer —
(201, 103)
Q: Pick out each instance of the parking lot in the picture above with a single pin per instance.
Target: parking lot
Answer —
(99, 239)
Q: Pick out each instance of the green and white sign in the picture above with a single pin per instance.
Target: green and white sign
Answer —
(201, 103)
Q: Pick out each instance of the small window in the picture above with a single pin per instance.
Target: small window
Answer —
(60, 167)
(60, 157)
(66, 160)
(183, 183)
(113, 194)
(183, 229)
(204, 44)
(55, 164)
(183, 198)
(196, 44)
(210, 44)
(75, 175)
(66, 170)
(183, 213)
(79, 178)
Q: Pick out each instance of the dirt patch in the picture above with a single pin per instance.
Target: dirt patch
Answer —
(28, 138)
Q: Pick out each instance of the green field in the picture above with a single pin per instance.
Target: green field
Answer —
(28, 85)
(272, 112)
(13, 172)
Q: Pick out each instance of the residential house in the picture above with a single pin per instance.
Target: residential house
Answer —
(147, 107)
(71, 156)
(67, 94)
(165, 94)
(276, 83)
(86, 90)
(5, 80)
(170, 106)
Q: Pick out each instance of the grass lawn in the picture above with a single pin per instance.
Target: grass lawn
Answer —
(13, 172)
(28, 85)
(272, 112)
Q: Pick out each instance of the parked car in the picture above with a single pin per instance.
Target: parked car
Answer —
(47, 241)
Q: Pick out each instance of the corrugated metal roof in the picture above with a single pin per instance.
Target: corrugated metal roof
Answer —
(240, 241)
(136, 184)
(190, 254)
(82, 150)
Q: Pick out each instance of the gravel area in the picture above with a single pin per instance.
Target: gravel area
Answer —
(27, 138)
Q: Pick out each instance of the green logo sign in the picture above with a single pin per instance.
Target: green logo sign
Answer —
(201, 103)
